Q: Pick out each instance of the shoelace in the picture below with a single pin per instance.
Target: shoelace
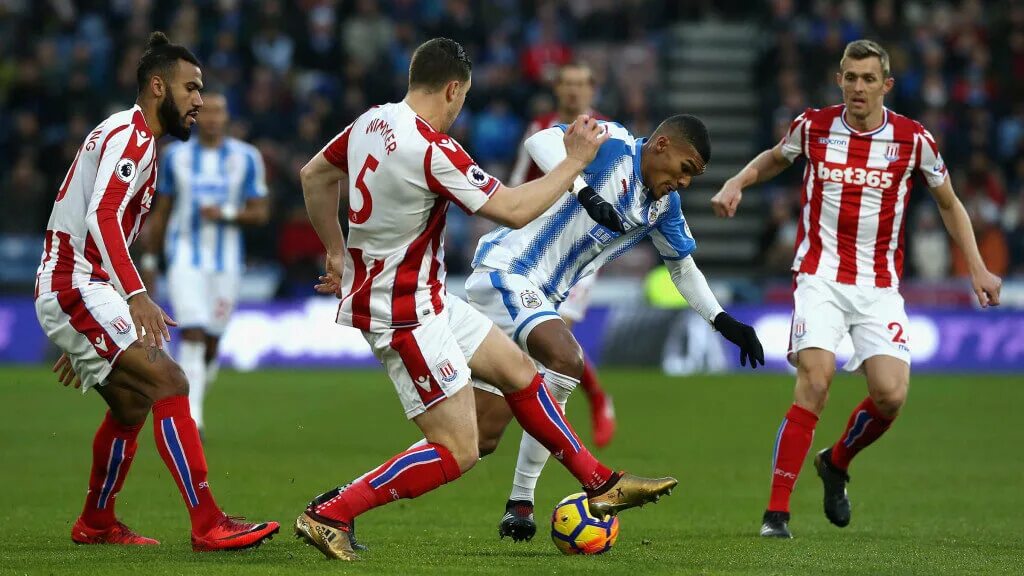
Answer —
(234, 522)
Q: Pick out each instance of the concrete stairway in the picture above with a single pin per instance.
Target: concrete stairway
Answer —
(709, 73)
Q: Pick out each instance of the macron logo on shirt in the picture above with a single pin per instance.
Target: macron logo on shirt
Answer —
(140, 138)
(447, 144)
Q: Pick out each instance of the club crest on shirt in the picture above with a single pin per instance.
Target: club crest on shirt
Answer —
(530, 299)
(120, 325)
(477, 177)
(892, 152)
(447, 372)
(656, 209)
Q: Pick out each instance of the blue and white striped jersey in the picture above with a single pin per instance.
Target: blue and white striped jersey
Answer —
(564, 244)
(198, 176)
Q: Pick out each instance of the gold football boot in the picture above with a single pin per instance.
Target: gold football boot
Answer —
(333, 541)
(629, 491)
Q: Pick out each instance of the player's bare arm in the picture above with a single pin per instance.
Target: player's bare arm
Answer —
(256, 212)
(516, 207)
(153, 240)
(322, 183)
(954, 216)
(763, 167)
(545, 149)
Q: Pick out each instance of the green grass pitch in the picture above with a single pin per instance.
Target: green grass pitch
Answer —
(940, 494)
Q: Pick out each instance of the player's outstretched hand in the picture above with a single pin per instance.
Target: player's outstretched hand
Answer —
(150, 320)
(742, 336)
(987, 287)
(583, 138)
(600, 210)
(66, 375)
(330, 280)
(727, 200)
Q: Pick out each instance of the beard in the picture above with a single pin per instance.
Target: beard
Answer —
(172, 121)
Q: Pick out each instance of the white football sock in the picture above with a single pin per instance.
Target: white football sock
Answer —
(212, 370)
(192, 357)
(532, 454)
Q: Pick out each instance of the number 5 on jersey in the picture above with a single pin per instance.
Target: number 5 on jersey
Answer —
(363, 214)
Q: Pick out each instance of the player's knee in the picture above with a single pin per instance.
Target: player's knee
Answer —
(812, 387)
(131, 410)
(891, 400)
(466, 455)
(567, 360)
(169, 380)
(487, 445)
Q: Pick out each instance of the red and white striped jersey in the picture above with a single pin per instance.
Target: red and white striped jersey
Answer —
(402, 174)
(856, 189)
(100, 208)
(525, 169)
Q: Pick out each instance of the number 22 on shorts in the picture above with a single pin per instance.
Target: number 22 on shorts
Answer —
(897, 329)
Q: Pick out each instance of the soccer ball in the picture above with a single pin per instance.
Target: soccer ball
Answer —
(575, 531)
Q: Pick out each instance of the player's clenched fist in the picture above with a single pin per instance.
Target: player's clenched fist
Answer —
(150, 320)
(987, 287)
(583, 137)
(727, 200)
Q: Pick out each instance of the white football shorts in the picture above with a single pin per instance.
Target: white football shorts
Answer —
(430, 362)
(574, 308)
(513, 302)
(91, 325)
(824, 311)
(203, 299)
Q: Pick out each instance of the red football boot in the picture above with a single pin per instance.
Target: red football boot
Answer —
(602, 417)
(233, 533)
(118, 533)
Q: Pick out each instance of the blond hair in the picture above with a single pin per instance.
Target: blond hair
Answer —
(861, 49)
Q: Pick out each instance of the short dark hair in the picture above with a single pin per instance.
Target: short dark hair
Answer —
(160, 58)
(688, 128)
(575, 65)
(863, 48)
(437, 62)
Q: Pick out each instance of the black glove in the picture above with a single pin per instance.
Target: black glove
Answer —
(742, 336)
(600, 210)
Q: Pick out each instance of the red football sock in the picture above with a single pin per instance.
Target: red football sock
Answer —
(791, 446)
(177, 440)
(866, 425)
(541, 417)
(408, 475)
(113, 449)
(591, 386)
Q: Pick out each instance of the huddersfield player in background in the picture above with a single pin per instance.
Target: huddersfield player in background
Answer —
(628, 193)
(93, 305)
(208, 190)
(574, 95)
(849, 258)
(400, 171)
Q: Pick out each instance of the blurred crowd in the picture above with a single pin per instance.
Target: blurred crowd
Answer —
(959, 70)
(295, 73)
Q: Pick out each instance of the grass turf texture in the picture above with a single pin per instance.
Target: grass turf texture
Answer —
(940, 494)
